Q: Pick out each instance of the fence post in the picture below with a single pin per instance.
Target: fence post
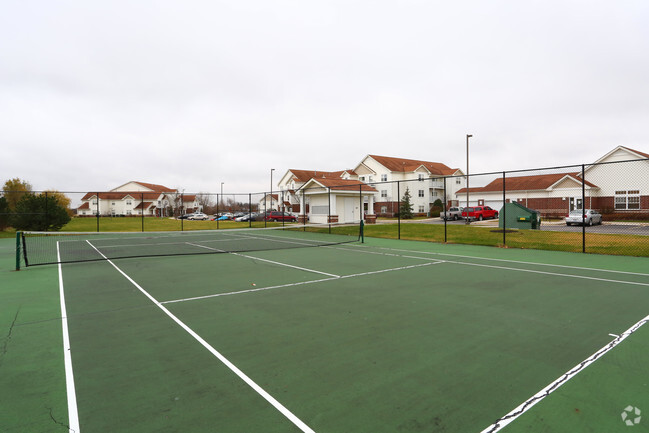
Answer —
(46, 213)
(142, 201)
(303, 209)
(181, 214)
(97, 210)
(583, 209)
(504, 212)
(249, 210)
(444, 210)
(398, 210)
(329, 211)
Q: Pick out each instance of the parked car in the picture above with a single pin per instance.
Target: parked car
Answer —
(220, 218)
(198, 216)
(453, 213)
(579, 216)
(246, 217)
(479, 213)
(185, 216)
(280, 216)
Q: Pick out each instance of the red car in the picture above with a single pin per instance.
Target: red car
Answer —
(479, 213)
(280, 216)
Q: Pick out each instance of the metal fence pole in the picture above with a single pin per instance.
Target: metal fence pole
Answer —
(97, 210)
(142, 201)
(181, 214)
(329, 211)
(583, 210)
(504, 212)
(398, 210)
(360, 199)
(46, 213)
(444, 211)
(249, 210)
(303, 209)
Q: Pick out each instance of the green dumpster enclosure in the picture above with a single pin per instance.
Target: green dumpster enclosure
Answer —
(517, 216)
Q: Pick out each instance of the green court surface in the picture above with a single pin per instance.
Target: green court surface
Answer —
(383, 336)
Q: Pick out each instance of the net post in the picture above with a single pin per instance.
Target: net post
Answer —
(18, 251)
(362, 231)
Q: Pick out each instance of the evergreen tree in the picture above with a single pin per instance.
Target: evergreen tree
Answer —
(4, 213)
(38, 212)
(405, 208)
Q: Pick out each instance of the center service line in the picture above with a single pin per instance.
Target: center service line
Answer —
(287, 413)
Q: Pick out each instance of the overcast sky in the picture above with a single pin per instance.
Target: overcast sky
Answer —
(190, 94)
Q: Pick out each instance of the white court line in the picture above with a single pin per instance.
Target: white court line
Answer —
(73, 412)
(265, 260)
(531, 270)
(281, 408)
(502, 260)
(259, 289)
(529, 403)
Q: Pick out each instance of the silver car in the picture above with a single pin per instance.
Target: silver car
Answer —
(588, 217)
(454, 213)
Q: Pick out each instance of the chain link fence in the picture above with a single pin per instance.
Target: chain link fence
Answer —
(588, 208)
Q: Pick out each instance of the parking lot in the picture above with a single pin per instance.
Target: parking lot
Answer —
(557, 226)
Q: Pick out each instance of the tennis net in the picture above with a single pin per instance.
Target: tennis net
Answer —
(42, 248)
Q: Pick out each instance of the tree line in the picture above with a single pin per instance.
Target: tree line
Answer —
(23, 209)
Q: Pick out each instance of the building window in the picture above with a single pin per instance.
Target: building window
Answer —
(421, 209)
(384, 193)
(627, 200)
(420, 176)
(384, 178)
(128, 202)
(94, 203)
(384, 209)
(362, 178)
(128, 212)
(458, 181)
(433, 193)
(421, 193)
(112, 203)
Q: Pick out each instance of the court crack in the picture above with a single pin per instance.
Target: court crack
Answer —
(5, 343)
(59, 422)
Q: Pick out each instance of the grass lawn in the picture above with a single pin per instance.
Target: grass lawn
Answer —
(616, 244)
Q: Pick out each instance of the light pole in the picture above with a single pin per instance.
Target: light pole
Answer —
(271, 188)
(467, 221)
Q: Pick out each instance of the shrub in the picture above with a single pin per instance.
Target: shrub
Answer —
(38, 212)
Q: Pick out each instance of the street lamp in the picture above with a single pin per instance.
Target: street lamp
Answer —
(467, 221)
(271, 188)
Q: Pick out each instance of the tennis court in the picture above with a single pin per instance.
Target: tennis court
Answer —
(378, 336)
